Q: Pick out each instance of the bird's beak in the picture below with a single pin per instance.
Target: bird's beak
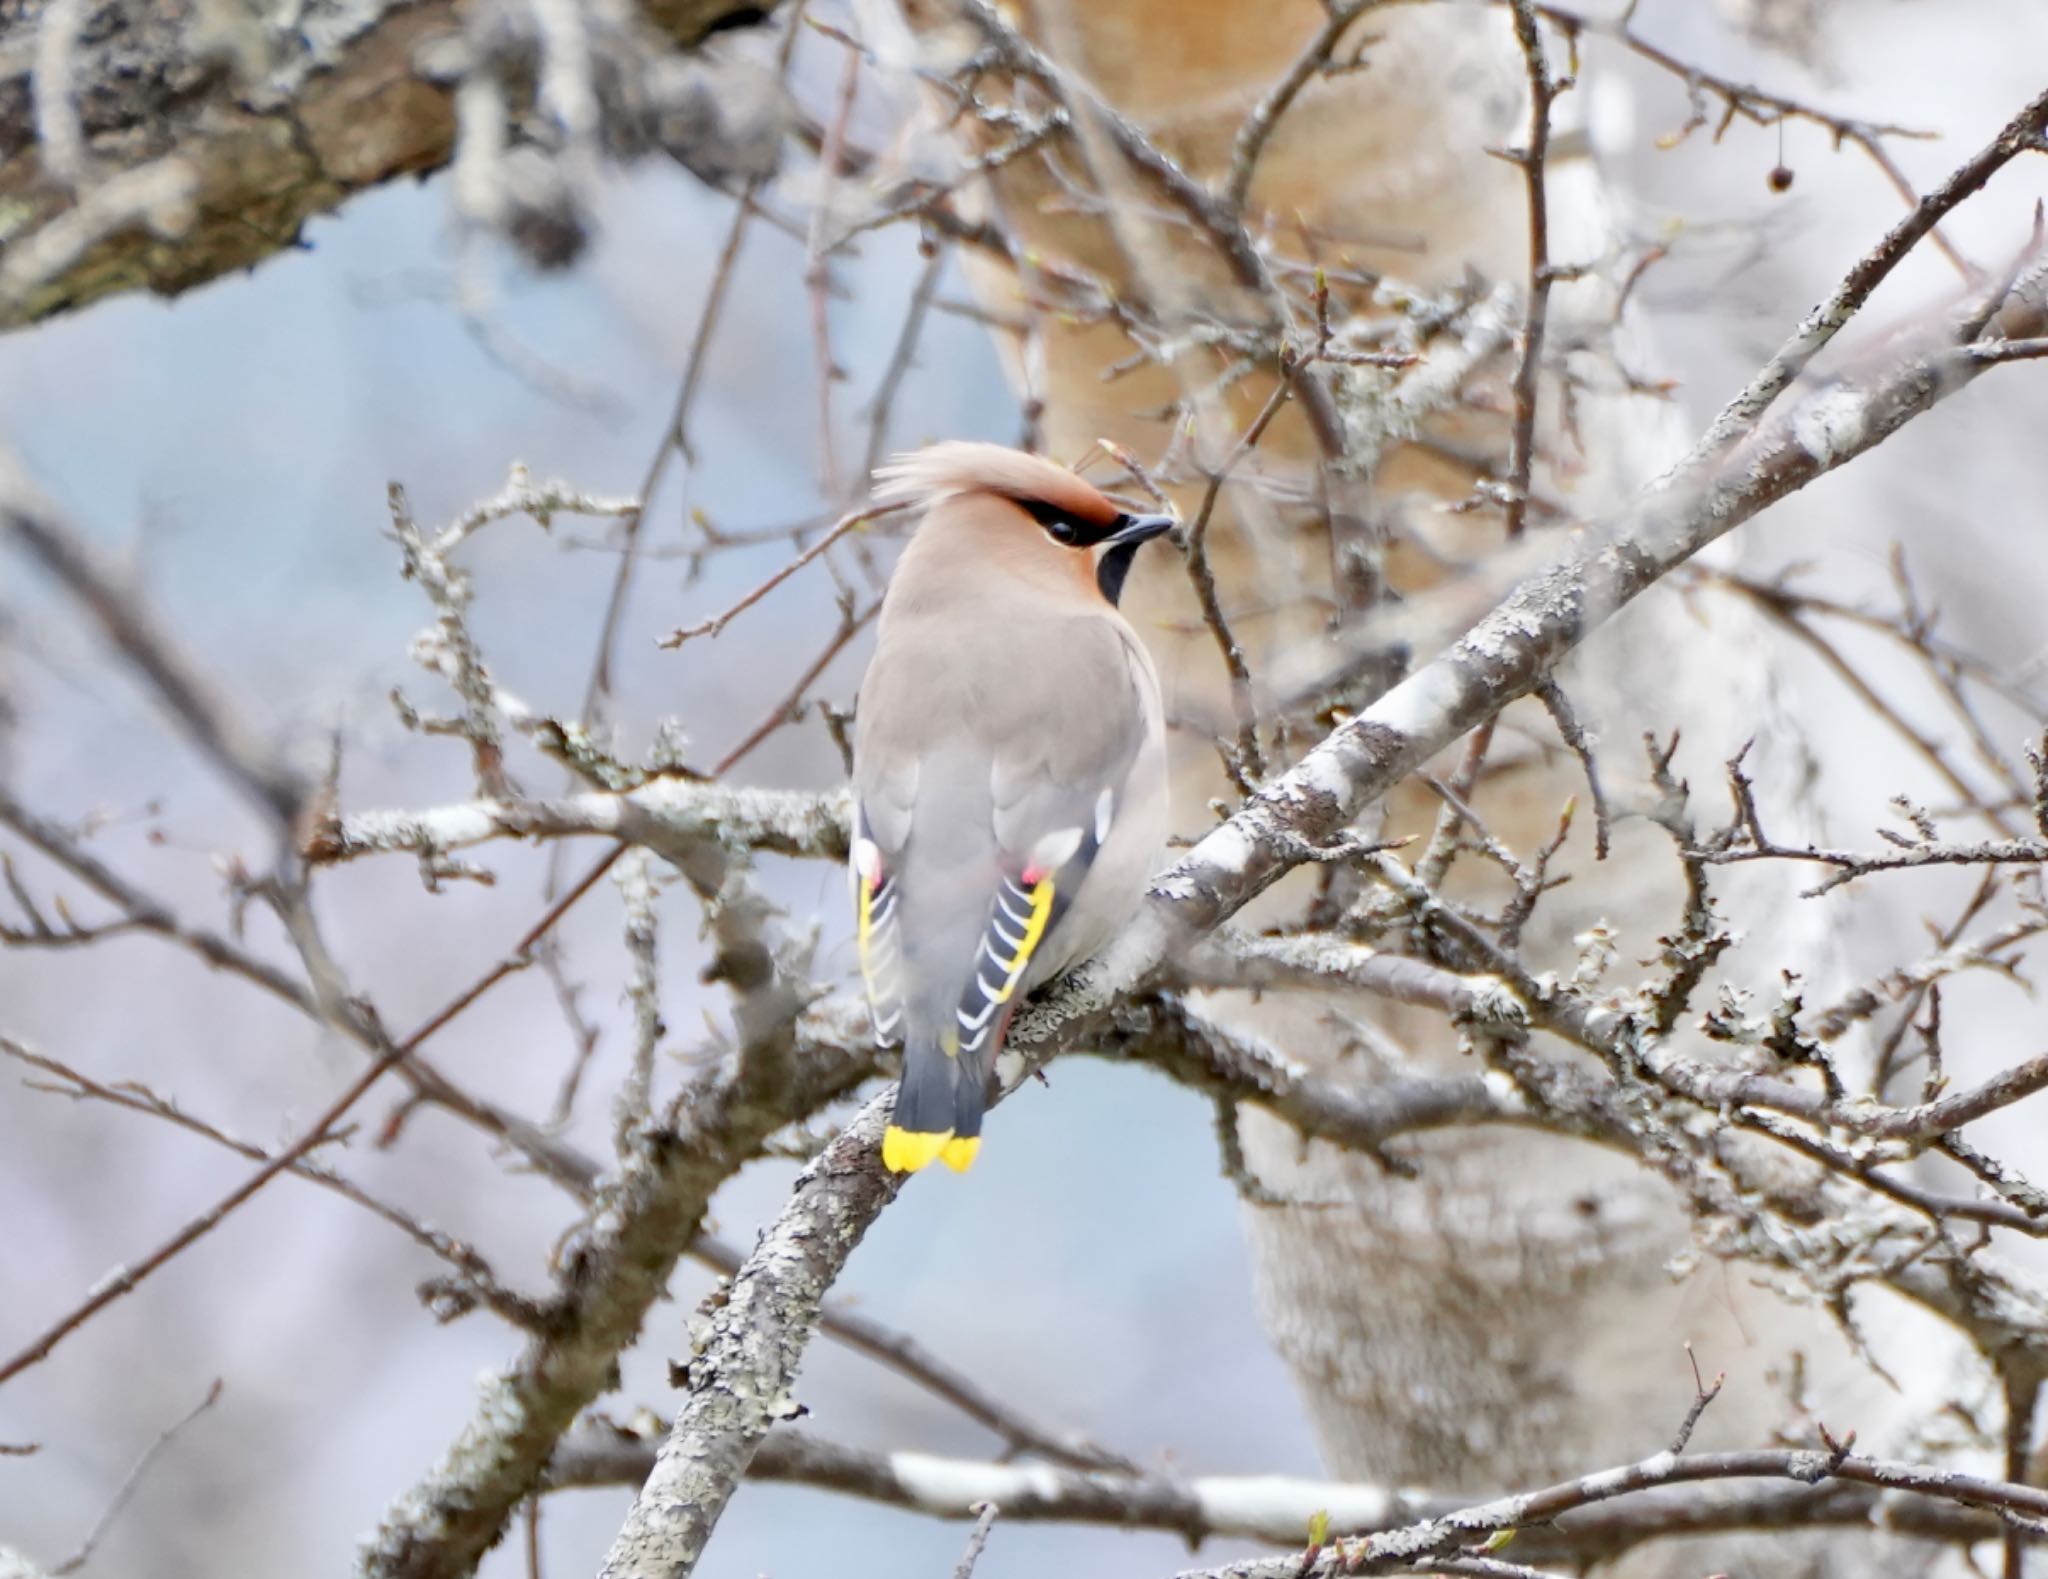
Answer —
(1141, 528)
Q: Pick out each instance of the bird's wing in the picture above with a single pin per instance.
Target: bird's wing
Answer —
(885, 795)
(980, 808)
(1055, 794)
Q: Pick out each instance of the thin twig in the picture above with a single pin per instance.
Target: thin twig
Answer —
(2009, 350)
(1702, 1395)
(985, 1519)
(1225, 229)
(784, 711)
(133, 629)
(133, 1479)
(1250, 765)
(125, 1280)
(1533, 160)
(818, 269)
(1738, 418)
(855, 521)
(1573, 734)
(474, 1281)
(882, 404)
(1258, 126)
(1757, 106)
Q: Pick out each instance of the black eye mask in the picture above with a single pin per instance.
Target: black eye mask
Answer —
(1125, 535)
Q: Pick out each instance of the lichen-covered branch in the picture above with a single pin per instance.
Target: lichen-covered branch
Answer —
(201, 145)
(743, 1361)
(645, 1218)
(1412, 1548)
(665, 815)
(1275, 1508)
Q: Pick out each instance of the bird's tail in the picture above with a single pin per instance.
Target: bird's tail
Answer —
(938, 1105)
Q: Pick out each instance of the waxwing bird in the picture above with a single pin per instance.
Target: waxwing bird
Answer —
(1009, 769)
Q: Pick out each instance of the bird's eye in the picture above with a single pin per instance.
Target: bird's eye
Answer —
(1061, 525)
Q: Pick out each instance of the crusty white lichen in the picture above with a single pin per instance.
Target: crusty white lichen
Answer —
(1381, 406)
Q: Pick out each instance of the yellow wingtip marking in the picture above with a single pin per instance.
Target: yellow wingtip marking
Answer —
(906, 1151)
(959, 1152)
(867, 906)
(1034, 929)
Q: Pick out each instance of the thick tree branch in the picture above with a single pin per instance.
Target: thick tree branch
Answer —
(741, 1375)
(199, 151)
(646, 1217)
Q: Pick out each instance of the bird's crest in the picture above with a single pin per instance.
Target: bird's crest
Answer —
(958, 467)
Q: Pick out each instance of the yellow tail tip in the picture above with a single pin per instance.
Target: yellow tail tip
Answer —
(906, 1151)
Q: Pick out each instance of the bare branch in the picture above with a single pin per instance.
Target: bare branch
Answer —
(37, 528)
(855, 521)
(670, 816)
(123, 1280)
(1533, 160)
(130, 1481)
(1573, 734)
(740, 1375)
(2022, 134)
(1265, 115)
(472, 1282)
(1755, 105)
(137, 117)
(985, 1518)
(1265, 1507)
(1233, 242)
(1413, 1549)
